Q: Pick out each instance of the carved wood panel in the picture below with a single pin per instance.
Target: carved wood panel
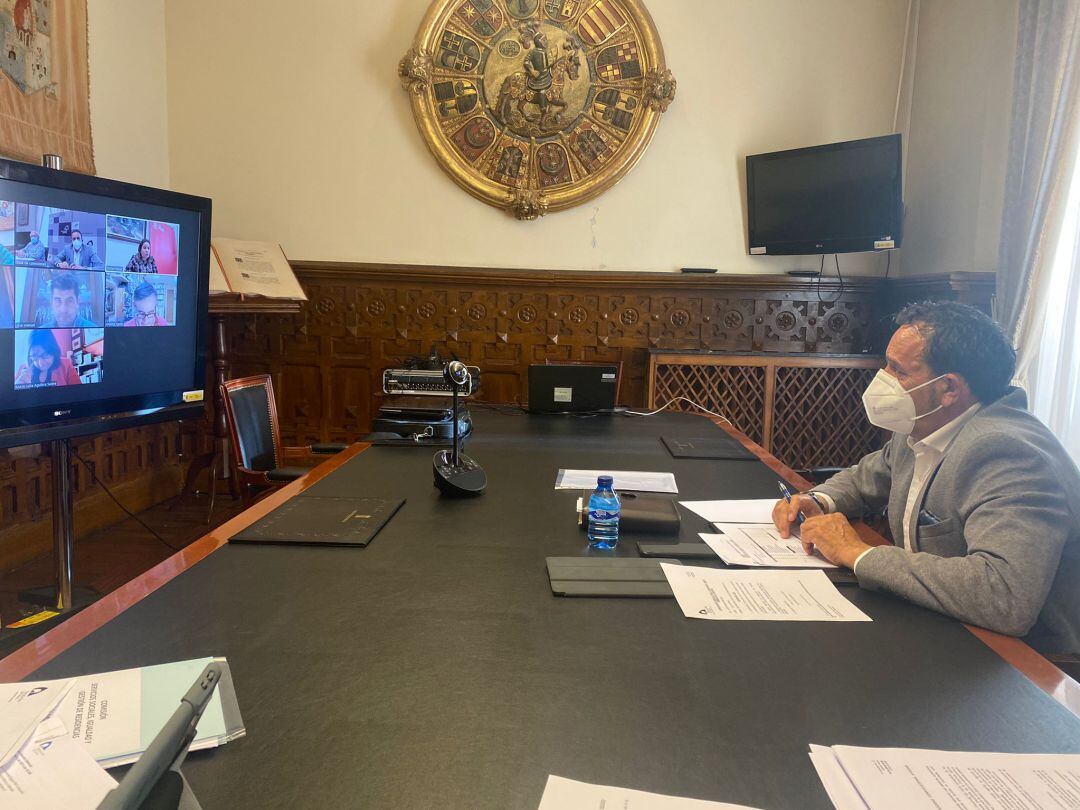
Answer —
(327, 362)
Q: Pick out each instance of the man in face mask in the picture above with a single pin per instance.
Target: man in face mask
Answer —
(34, 249)
(78, 254)
(981, 498)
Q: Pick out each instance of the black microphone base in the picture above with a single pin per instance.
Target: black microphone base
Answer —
(466, 479)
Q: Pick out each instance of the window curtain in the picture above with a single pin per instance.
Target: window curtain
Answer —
(1039, 262)
(1045, 87)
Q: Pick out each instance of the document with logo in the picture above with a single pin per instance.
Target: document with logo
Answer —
(117, 714)
(23, 707)
(759, 545)
(57, 773)
(915, 779)
(566, 794)
(760, 595)
(758, 510)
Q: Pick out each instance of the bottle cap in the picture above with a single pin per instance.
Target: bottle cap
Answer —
(604, 481)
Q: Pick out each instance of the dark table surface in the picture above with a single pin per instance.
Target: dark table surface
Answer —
(436, 669)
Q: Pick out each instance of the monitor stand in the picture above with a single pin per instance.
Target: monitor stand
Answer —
(62, 597)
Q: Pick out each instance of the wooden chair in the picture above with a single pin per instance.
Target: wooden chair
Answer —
(261, 463)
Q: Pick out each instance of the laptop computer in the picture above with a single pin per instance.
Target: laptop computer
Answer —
(572, 387)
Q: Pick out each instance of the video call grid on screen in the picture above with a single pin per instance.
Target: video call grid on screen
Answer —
(78, 275)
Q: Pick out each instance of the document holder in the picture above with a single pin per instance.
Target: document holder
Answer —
(640, 512)
(311, 520)
(721, 447)
(609, 576)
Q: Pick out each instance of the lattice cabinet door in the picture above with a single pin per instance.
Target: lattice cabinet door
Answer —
(806, 410)
(818, 416)
(738, 391)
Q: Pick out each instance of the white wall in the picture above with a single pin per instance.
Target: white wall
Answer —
(957, 143)
(293, 120)
(128, 91)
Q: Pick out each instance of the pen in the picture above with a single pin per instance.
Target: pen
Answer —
(787, 497)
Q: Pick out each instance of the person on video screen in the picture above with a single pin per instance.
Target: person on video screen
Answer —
(45, 363)
(6, 256)
(145, 300)
(142, 261)
(64, 299)
(77, 255)
(34, 249)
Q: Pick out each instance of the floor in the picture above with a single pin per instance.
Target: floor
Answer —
(110, 557)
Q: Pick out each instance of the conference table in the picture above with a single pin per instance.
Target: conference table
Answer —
(435, 668)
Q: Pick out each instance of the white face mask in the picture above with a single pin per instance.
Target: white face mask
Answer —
(890, 406)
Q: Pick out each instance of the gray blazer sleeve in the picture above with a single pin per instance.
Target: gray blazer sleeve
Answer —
(864, 487)
(1015, 521)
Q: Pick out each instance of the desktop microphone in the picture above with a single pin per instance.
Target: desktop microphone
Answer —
(456, 474)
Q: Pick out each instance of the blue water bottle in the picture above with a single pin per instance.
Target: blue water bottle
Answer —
(604, 510)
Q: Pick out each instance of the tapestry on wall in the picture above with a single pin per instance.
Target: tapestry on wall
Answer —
(45, 83)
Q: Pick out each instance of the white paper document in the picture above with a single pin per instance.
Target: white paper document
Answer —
(759, 545)
(57, 773)
(23, 706)
(755, 511)
(915, 779)
(255, 268)
(116, 715)
(632, 481)
(566, 794)
(788, 596)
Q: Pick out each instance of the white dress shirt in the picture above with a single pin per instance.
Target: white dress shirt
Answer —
(929, 453)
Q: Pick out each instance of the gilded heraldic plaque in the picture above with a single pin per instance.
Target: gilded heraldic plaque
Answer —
(537, 105)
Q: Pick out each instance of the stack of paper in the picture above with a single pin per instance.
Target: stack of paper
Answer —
(754, 511)
(759, 545)
(790, 596)
(40, 766)
(566, 794)
(913, 779)
(117, 714)
(23, 707)
(631, 481)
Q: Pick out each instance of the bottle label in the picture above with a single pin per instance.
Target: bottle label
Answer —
(603, 514)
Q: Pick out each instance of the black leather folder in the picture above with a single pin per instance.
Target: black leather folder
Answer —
(720, 447)
(609, 576)
(308, 520)
(649, 514)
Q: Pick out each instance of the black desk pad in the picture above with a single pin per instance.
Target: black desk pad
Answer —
(436, 669)
(720, 446)
(322, 521)
(609, 576)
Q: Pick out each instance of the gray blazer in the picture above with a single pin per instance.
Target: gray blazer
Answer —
(1006, 554)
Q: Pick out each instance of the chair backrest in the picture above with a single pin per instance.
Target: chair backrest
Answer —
(253, 422)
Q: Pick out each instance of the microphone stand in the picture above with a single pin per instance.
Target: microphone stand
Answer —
(457, 475)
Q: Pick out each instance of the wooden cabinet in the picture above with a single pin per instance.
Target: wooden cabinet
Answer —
(805, 410)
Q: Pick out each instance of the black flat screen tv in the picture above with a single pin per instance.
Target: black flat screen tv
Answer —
(103, 304)
(838, 198)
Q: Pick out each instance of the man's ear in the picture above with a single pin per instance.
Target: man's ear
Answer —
(956, 389)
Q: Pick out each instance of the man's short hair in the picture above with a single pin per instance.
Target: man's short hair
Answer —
(962, 340)
(65, 281)
(75, 231)
(144, 290)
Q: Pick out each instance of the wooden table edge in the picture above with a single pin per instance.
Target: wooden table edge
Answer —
(65, 635)
(1016, 652)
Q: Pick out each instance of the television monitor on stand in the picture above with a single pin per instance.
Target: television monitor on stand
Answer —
(104, 291)
(838, 198)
